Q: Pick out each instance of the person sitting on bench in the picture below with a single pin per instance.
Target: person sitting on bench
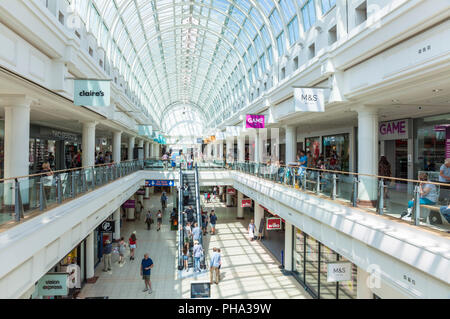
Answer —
(428, 195)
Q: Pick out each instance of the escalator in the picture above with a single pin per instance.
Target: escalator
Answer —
(189, 178)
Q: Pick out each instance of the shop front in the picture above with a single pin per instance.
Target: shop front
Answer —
(54, 146)
(66, 278)
(321, 271)
(273, 235)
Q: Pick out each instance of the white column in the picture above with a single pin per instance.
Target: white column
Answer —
(220, 145)
(131, 141)
(147, 192)
(116, 217)
(241, 148)
(90, 256)
(240, 209)
(367, 154)
(257, 156)
(229, 150)
(141, 146)
(141, 143)
(362, 289)
(259, 214)
(88, 144)
(228, 198)
(117, 143)
(291, 144)
(17, 143)
(288, 246)
(156, 150)
(214, 150)
(147, 150)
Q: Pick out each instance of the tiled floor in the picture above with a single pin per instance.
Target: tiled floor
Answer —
(248, 269)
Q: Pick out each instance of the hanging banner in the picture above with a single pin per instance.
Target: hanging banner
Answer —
(339, 272)
(254, 121)
(145, 130)
(107, 226)
(273, 223)
(246, 202)
(309, 100)
(152, 182)
(53, 284)
(92, 92)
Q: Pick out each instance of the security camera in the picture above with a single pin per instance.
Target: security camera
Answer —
(420, 107)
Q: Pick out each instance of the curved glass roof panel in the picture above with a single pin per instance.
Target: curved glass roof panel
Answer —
(202, 54)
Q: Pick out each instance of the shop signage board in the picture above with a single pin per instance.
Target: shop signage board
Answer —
(446, 129)
(247, 202)
(145, 130)
(273, 223)
(394, 130)
(339, 272)
(140, 192)
(309, 99)
(129, 204)
(159, 182)
(200, 290)
(92, 92)
(254, 121)
(53, 284)
(107, 226)
(231, 191)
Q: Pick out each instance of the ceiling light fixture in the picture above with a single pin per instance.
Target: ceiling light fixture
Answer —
(437, 90)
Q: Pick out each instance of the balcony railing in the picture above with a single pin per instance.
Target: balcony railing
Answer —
(387, 196)
(21, 197)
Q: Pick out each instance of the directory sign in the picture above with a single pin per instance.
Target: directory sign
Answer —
(273, 223)
(339, 272)
(200, 290)
(159, 182)
(92, 92)
(309, 100)
(254, 121)
(53, 284)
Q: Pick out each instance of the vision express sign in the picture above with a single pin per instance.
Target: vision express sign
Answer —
(92, 92)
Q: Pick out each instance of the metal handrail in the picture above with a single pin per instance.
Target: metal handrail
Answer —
(180, 223)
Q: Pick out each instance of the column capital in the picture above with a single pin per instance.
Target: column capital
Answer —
(18, 100)
(366, 109)
(89, 123)
(117, 132)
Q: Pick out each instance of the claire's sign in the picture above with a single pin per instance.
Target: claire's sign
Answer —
(394, 130)
(273, 223)
(254, 121)
(92, 92)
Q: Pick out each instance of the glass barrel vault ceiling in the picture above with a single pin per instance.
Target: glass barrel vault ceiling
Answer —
(202, 55)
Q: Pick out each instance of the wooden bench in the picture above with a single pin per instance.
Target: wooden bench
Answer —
(433, 215)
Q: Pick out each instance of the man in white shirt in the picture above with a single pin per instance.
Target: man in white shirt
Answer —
(74, 278)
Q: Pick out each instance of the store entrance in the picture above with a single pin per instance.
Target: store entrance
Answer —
(396, 152)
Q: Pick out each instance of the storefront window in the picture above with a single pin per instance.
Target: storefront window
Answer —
(299, 254)
(312, 265)
(430, 142)
(347, 289)
(312, 144)
(327, 289)
(2, 148)
(336, 151)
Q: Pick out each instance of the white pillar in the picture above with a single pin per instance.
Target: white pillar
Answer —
(88, 144)
(155, 150)
(147, 193)
(241, 148)
(291, 144)
(90, 264)
(17, 143)
(117, 142)
(17, 134)
(131, 141)
(220, 145)
(240, 209)
(116, 216)
(141, 146)
(229, 150)
(259, 214)
(362, 289)
(141, 143)
(147, 150)
(367, 154)
(288, 246)
(229, 201)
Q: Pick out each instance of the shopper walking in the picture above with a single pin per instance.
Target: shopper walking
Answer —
(198, 254)
(148, 219)
(163, 201)
(159, 220)
(107, 250)
(204, 222)
(213, 220)
(384, 169)
(186, 256)
(214, 266)
(146, 266)
(122, 250)
(133, 244)
(196, 232)
(251, 230)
